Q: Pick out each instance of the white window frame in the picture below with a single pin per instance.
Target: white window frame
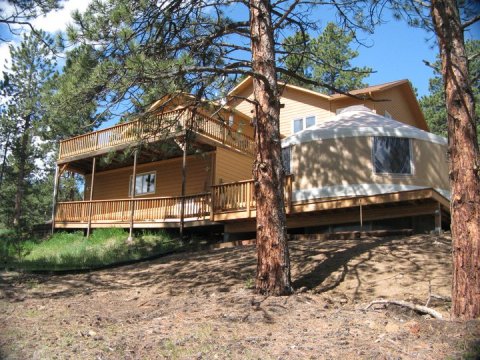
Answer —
(141, 175)
(304, 122)
(372, 159)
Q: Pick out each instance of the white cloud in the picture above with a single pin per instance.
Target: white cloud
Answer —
(5, 57)
(58, 20)
(54, 21)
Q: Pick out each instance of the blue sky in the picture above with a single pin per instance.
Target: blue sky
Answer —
(397, 51)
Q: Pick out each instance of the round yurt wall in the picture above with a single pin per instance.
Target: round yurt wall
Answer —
(361, 153)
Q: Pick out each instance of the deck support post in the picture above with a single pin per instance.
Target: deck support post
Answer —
(90, 199)
(438, 219)
(55, 196)
(361, 215)
(132, 192)
(184, 173)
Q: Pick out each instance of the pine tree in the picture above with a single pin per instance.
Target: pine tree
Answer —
(325, 60)
(26, 161)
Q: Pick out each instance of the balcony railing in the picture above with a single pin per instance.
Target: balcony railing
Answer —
(156, 126)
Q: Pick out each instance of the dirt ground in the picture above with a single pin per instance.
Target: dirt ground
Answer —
(200, 306)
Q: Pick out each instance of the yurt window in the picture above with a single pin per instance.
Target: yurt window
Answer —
(392, 155)
(303, 123)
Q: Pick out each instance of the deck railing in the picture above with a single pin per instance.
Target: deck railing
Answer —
(156, 126)
(230, 198)
(196, 207)
(240, 196)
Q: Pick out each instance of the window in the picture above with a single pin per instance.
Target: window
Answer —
(392, 155)
(286, 159)
(303, 123)
(144, 184)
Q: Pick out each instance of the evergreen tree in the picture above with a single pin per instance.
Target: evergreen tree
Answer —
(325, 59)
(26, 162)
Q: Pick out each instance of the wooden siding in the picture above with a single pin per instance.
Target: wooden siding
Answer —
(397, 104)
(231, 166)
(296, 104)
(348, 161)
(114, 184)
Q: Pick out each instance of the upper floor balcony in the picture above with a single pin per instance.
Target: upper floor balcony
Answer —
(158, 126)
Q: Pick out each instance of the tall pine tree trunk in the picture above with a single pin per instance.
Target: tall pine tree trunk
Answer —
(273, 264)
(22, 164)
(464, 160)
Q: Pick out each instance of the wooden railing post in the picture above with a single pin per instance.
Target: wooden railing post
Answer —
(248, 195)
(133, 189)
(55, 196)
(90, 204)
(212, 204)
(288, 193)
(96, 147)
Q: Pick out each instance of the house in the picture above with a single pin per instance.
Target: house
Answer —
(354, 162)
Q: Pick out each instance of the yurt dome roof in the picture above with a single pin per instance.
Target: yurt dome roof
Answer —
(359, 121)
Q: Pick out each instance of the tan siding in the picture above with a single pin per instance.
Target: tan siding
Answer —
(243, 105)
(231, 166)
(348, 161)
(297, 104)
(396, 103)
(114, 184)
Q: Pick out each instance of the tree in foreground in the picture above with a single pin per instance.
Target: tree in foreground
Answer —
(464, 158)
(149, 47)
(433, 104)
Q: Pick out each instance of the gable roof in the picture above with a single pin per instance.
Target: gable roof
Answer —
(369, 90)
(359, 121)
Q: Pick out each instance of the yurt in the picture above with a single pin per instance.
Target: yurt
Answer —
(360, 153)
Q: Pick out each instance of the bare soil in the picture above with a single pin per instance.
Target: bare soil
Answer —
(200, 306)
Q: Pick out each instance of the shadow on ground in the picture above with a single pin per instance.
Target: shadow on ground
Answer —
(362, 268)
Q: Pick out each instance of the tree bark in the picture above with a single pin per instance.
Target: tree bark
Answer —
(273, 263)
(22, 164)
(464, 160)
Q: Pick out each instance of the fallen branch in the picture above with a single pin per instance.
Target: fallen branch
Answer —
(408, 305)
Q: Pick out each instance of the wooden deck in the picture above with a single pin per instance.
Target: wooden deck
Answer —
(236, 202)
(156, 127)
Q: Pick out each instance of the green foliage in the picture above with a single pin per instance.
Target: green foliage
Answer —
(71, 251)
(325, 60)
(27, 151)
(433, 105)
(70, 96)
